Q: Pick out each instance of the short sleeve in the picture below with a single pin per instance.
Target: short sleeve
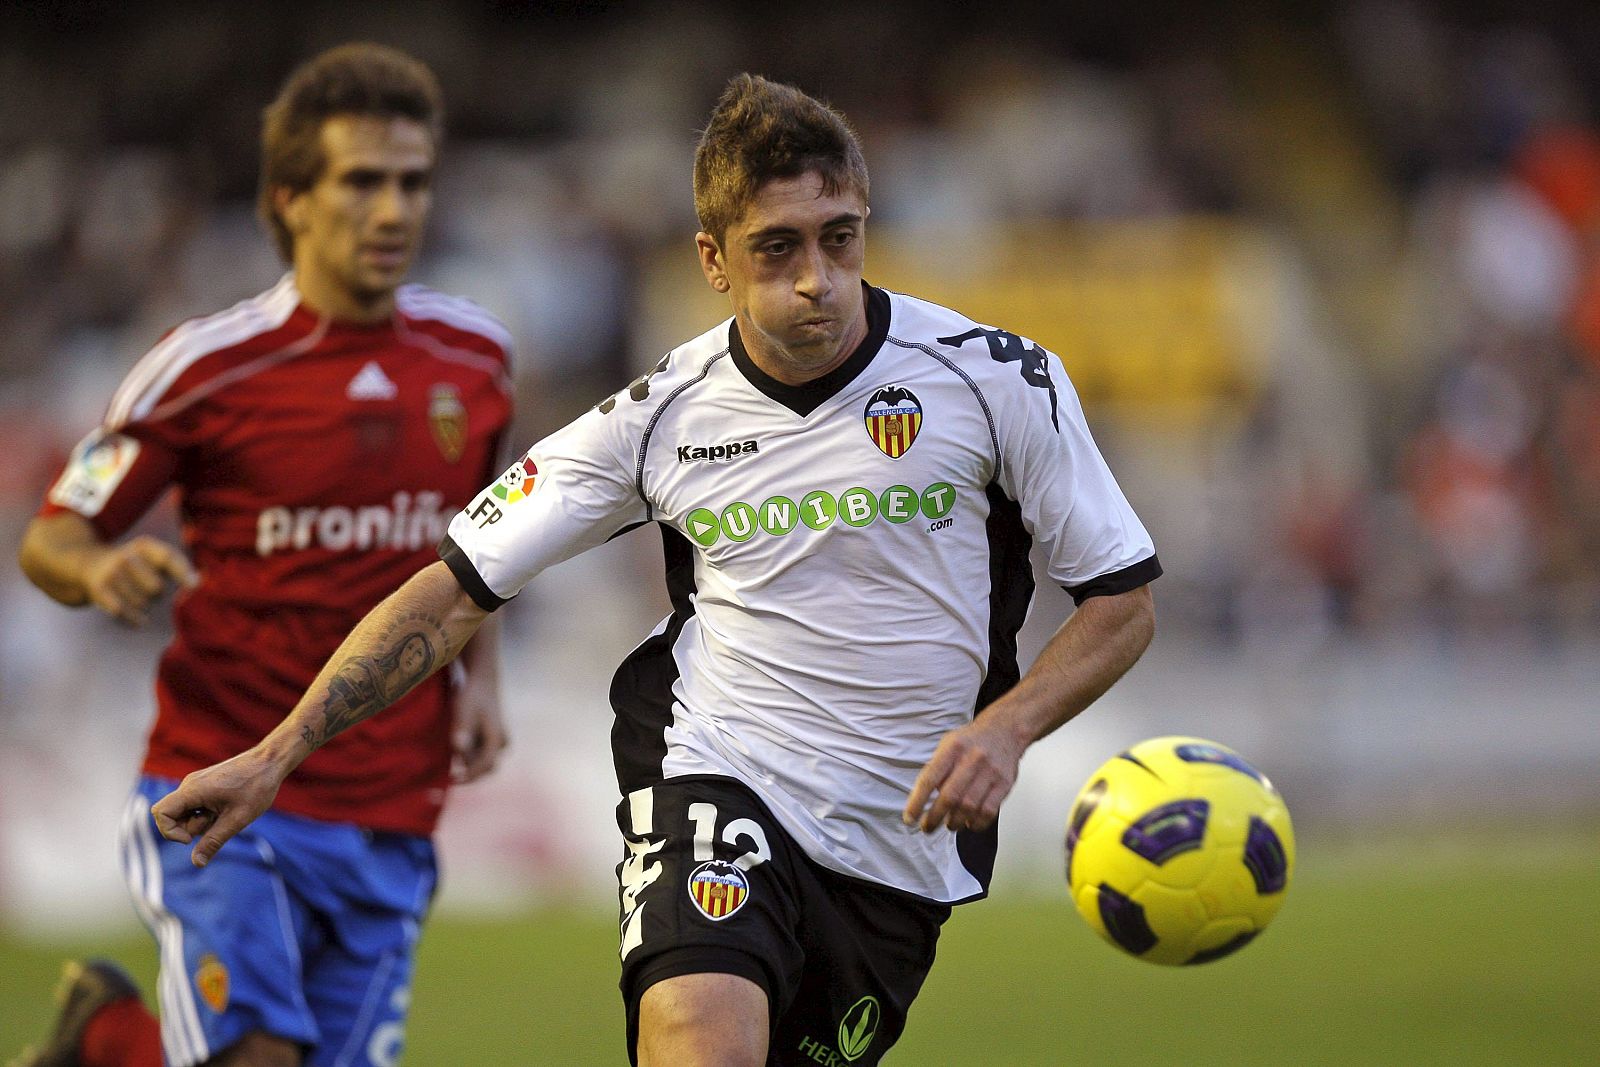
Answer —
(121, 468)
(1071, 504)
(568, 493)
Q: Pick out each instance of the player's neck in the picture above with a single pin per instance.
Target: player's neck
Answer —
(330, 299)
(793, 369)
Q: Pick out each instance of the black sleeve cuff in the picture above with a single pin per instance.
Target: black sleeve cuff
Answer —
(468, 577)
(1130, 577)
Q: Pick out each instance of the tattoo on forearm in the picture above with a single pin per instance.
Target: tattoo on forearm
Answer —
(362, 686)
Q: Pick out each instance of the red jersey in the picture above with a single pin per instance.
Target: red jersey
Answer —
(317, 465)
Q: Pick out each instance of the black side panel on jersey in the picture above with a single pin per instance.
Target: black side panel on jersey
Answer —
(641, 690)
(1010, 593)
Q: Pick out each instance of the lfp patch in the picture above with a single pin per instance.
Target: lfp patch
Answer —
(893, 417)
(97, 467)
(517, 483)
(718, 889)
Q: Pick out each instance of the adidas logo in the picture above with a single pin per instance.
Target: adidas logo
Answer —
(370, 383)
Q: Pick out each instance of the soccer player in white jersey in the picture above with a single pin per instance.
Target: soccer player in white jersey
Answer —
(813, 748)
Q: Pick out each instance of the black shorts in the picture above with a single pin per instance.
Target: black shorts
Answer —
(711, 884)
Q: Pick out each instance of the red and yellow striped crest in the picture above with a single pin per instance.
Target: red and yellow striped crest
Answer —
(893, 417)
(718, 889)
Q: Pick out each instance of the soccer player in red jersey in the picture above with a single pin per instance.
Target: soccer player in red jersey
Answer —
(320, 436)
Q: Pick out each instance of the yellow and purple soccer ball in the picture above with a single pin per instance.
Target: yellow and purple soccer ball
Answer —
(1178, 851)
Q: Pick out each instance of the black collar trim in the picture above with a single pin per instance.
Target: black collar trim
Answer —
(805, 398)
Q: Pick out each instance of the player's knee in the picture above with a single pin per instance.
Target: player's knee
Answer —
(703, 1019)
(259, 1050)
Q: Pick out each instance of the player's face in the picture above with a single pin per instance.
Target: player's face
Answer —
(356, 230)
(414, 656)
(792, 268)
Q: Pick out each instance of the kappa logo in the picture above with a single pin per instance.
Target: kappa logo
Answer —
(731, 450)
(718, 889)
(370, 383)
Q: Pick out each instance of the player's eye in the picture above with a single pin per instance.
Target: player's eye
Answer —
(776, 248)
(363, 180)
(416, 181)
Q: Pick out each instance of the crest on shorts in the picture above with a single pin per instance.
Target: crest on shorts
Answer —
(447, 418)
(718, 889)
(893, 417)
(211, 979)
(517, 483)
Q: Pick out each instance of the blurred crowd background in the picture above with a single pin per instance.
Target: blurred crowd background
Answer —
(1326, 275)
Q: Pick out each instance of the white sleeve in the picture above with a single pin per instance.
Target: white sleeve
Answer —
(1069, 501)
(570, 492)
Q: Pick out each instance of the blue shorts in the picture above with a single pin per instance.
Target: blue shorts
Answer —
(300, 928)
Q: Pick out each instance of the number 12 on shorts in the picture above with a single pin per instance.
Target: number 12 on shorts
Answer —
(704, 817)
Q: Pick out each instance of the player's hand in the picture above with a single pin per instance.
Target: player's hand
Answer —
(971, 772)
(215, 803)
(124, 579)
(479, 734)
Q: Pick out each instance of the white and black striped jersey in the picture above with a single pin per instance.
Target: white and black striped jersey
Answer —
(848, 561)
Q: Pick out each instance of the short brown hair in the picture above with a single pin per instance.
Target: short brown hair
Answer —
(761, 130)
(352, 79)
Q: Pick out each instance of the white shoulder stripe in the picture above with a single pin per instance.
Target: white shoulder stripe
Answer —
(153, 375)
(451, 354)
(420, 302)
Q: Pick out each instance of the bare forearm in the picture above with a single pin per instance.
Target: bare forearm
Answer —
(55, 555)
(417, 630)
(1092, 649)
(481, 656)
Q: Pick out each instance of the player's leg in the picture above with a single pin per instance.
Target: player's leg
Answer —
(867, 950)
(101, 1022)
(715, 1020)
(229, 937)
(371, 892)
(258, 1050)
(709, 944)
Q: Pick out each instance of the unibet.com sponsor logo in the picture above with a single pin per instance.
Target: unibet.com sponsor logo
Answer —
(819, 509)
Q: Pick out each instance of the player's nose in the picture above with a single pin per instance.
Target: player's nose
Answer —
(813, 281)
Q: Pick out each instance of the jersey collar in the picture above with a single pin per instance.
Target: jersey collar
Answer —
(805, 398)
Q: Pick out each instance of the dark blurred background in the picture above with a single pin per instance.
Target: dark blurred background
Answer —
(1327, 277)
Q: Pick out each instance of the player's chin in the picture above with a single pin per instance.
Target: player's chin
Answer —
(372, 284)
(821, 341)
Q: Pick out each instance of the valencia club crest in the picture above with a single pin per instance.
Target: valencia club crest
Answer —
(893, 417)
(718, 889)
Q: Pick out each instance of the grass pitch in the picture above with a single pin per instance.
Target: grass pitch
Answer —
(1429, 954)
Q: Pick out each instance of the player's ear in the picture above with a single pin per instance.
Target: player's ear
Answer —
(291, 208)
(712, 264)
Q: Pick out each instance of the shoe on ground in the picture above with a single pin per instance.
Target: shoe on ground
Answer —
(85, 987)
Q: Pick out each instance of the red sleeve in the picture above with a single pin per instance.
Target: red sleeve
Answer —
(112, 479)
